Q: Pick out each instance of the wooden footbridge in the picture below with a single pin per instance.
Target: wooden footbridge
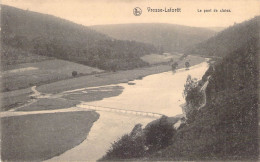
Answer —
(109, 109)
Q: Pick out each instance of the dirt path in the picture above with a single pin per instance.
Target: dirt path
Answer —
(34, 98)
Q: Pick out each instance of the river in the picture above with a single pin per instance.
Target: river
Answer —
(159, 93)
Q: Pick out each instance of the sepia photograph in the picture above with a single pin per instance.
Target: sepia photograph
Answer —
(129, 80)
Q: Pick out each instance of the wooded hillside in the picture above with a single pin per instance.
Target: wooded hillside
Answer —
(47, 35)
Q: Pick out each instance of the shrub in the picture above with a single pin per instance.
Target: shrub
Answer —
(159, 135)
(126, 147)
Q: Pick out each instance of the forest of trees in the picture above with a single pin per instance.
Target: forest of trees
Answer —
(106, 54)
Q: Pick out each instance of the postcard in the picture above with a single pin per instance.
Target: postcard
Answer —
(130, 80)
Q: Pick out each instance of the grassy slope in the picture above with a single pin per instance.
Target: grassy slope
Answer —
(168, 36)
(46, 71)
(40, 137)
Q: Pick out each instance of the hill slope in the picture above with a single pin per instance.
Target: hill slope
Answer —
(51, 36)
(169, 37)
(228, 40)
(227, 127)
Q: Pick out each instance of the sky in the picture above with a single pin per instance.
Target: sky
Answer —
(97, 12)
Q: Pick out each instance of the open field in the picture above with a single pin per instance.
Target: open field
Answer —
(40, 137)
(28, 74)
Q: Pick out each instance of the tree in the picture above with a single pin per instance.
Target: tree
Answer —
(174, 66)
(190, 84)
(187, 64)
(74, 73)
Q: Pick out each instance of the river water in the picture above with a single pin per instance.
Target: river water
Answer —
(159, 93)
